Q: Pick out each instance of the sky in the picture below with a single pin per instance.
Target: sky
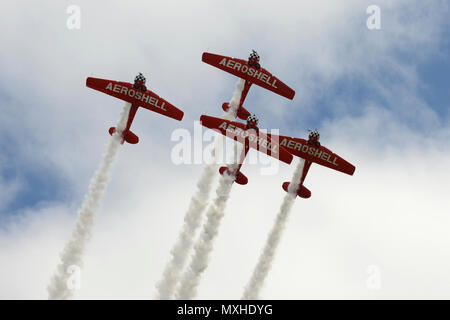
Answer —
(378, 97)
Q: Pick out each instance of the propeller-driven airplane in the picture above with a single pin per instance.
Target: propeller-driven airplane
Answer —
(139, 96)
(252, 72)
(312, 151)
(251, 137)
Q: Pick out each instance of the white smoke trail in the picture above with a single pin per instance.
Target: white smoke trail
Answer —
(205, 241)
(192, 220)
(267, 256)
(234, 102)
(193, 217)
(72, 255)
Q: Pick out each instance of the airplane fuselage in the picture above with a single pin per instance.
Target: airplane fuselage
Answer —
(305, 170)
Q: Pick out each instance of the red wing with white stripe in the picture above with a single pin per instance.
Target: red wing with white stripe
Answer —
(242, 69)
(125, 91)
(256, 140)
(323, 156)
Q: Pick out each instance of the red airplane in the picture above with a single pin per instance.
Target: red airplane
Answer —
(248, 135)
(251, 72)
(312, 151)
(138, 95)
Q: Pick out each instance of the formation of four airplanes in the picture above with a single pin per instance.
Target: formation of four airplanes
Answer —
(280, 147)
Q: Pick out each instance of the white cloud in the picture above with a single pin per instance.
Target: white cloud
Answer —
(8, 191)
(392, 213)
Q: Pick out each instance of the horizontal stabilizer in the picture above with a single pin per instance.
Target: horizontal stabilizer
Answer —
(112, 130)
(243, 113)
(240, 177)
(129, 137)
(303, 192)
(225, 106)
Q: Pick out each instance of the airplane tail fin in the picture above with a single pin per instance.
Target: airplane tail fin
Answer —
(129, 136)
(242, 113)
(303, 192)
(240, 177)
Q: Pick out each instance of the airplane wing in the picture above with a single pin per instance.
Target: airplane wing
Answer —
(125, 91)
(241, 69)
(237, 131)
(322, 155)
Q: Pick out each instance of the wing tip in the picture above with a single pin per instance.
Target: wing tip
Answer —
(291, 95)
(180, 115)
(352, 170)
(89, 81)
(205, 56)
(204, 118)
